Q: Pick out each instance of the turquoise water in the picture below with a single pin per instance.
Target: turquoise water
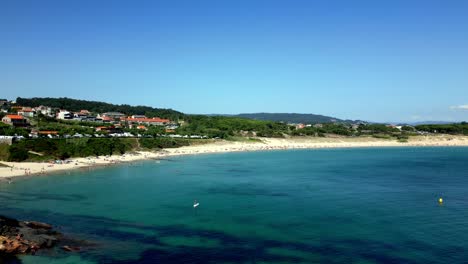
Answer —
(365, 205)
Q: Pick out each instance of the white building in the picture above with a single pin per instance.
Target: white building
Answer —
(64, 114)
(26, 113)
(45, 110)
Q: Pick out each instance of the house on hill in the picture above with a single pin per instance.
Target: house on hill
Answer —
(64, 114)
(114, 115)
(45, 110)
(147, 121)
(15, 120)
(16, 108)
(26, 112)
(81, 115)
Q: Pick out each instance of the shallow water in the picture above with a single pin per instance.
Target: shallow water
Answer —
(363, 205)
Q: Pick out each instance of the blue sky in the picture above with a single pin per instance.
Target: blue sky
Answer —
(371, 60)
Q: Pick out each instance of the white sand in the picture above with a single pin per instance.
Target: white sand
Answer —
(27, 168)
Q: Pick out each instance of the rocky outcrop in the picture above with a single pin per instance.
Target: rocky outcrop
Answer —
(25, 237)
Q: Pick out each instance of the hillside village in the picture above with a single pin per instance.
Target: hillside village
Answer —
(114, 124)
(67, 118)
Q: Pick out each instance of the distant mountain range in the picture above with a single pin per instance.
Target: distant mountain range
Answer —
(100, 107)
(431, 123)
(294, 118)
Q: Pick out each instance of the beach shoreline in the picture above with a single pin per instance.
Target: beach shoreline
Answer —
(16, 169)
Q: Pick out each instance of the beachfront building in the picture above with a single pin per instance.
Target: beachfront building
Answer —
(147, 121)
(108, 129)
(44, 133)
(15, 120)
(300, 126)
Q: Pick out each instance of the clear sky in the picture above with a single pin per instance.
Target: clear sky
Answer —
(371, 60)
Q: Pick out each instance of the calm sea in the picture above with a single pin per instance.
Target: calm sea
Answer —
(363, 205)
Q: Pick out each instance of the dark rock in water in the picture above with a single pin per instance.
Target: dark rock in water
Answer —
(38, 225)
(18, 237)
(71, 248)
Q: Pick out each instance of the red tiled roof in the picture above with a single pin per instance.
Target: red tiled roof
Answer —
(148, 120)
(105, 127)
(14, 116)
(48, 132)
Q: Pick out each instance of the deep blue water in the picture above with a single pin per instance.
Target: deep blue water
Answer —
(363, 205)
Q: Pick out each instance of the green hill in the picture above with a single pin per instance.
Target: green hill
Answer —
(99, 107)
(292, 118)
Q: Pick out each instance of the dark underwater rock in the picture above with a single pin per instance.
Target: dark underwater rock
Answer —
(25, 237)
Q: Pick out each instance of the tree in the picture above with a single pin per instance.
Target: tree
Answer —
(17, 153)
(407, 128)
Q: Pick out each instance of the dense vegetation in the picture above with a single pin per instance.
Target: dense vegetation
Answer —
(4, 151)
(461, 128)
(377, 129)
(7, 130)
(99, 107)
(82, 147)
(224, 127)
(290, 118)
(160, 143)
(330, 128)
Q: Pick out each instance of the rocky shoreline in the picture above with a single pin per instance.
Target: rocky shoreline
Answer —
(25, 237)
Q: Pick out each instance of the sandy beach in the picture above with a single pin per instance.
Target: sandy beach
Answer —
(13, 169)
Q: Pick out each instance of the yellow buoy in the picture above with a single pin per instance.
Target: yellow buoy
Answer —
(441, 200)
